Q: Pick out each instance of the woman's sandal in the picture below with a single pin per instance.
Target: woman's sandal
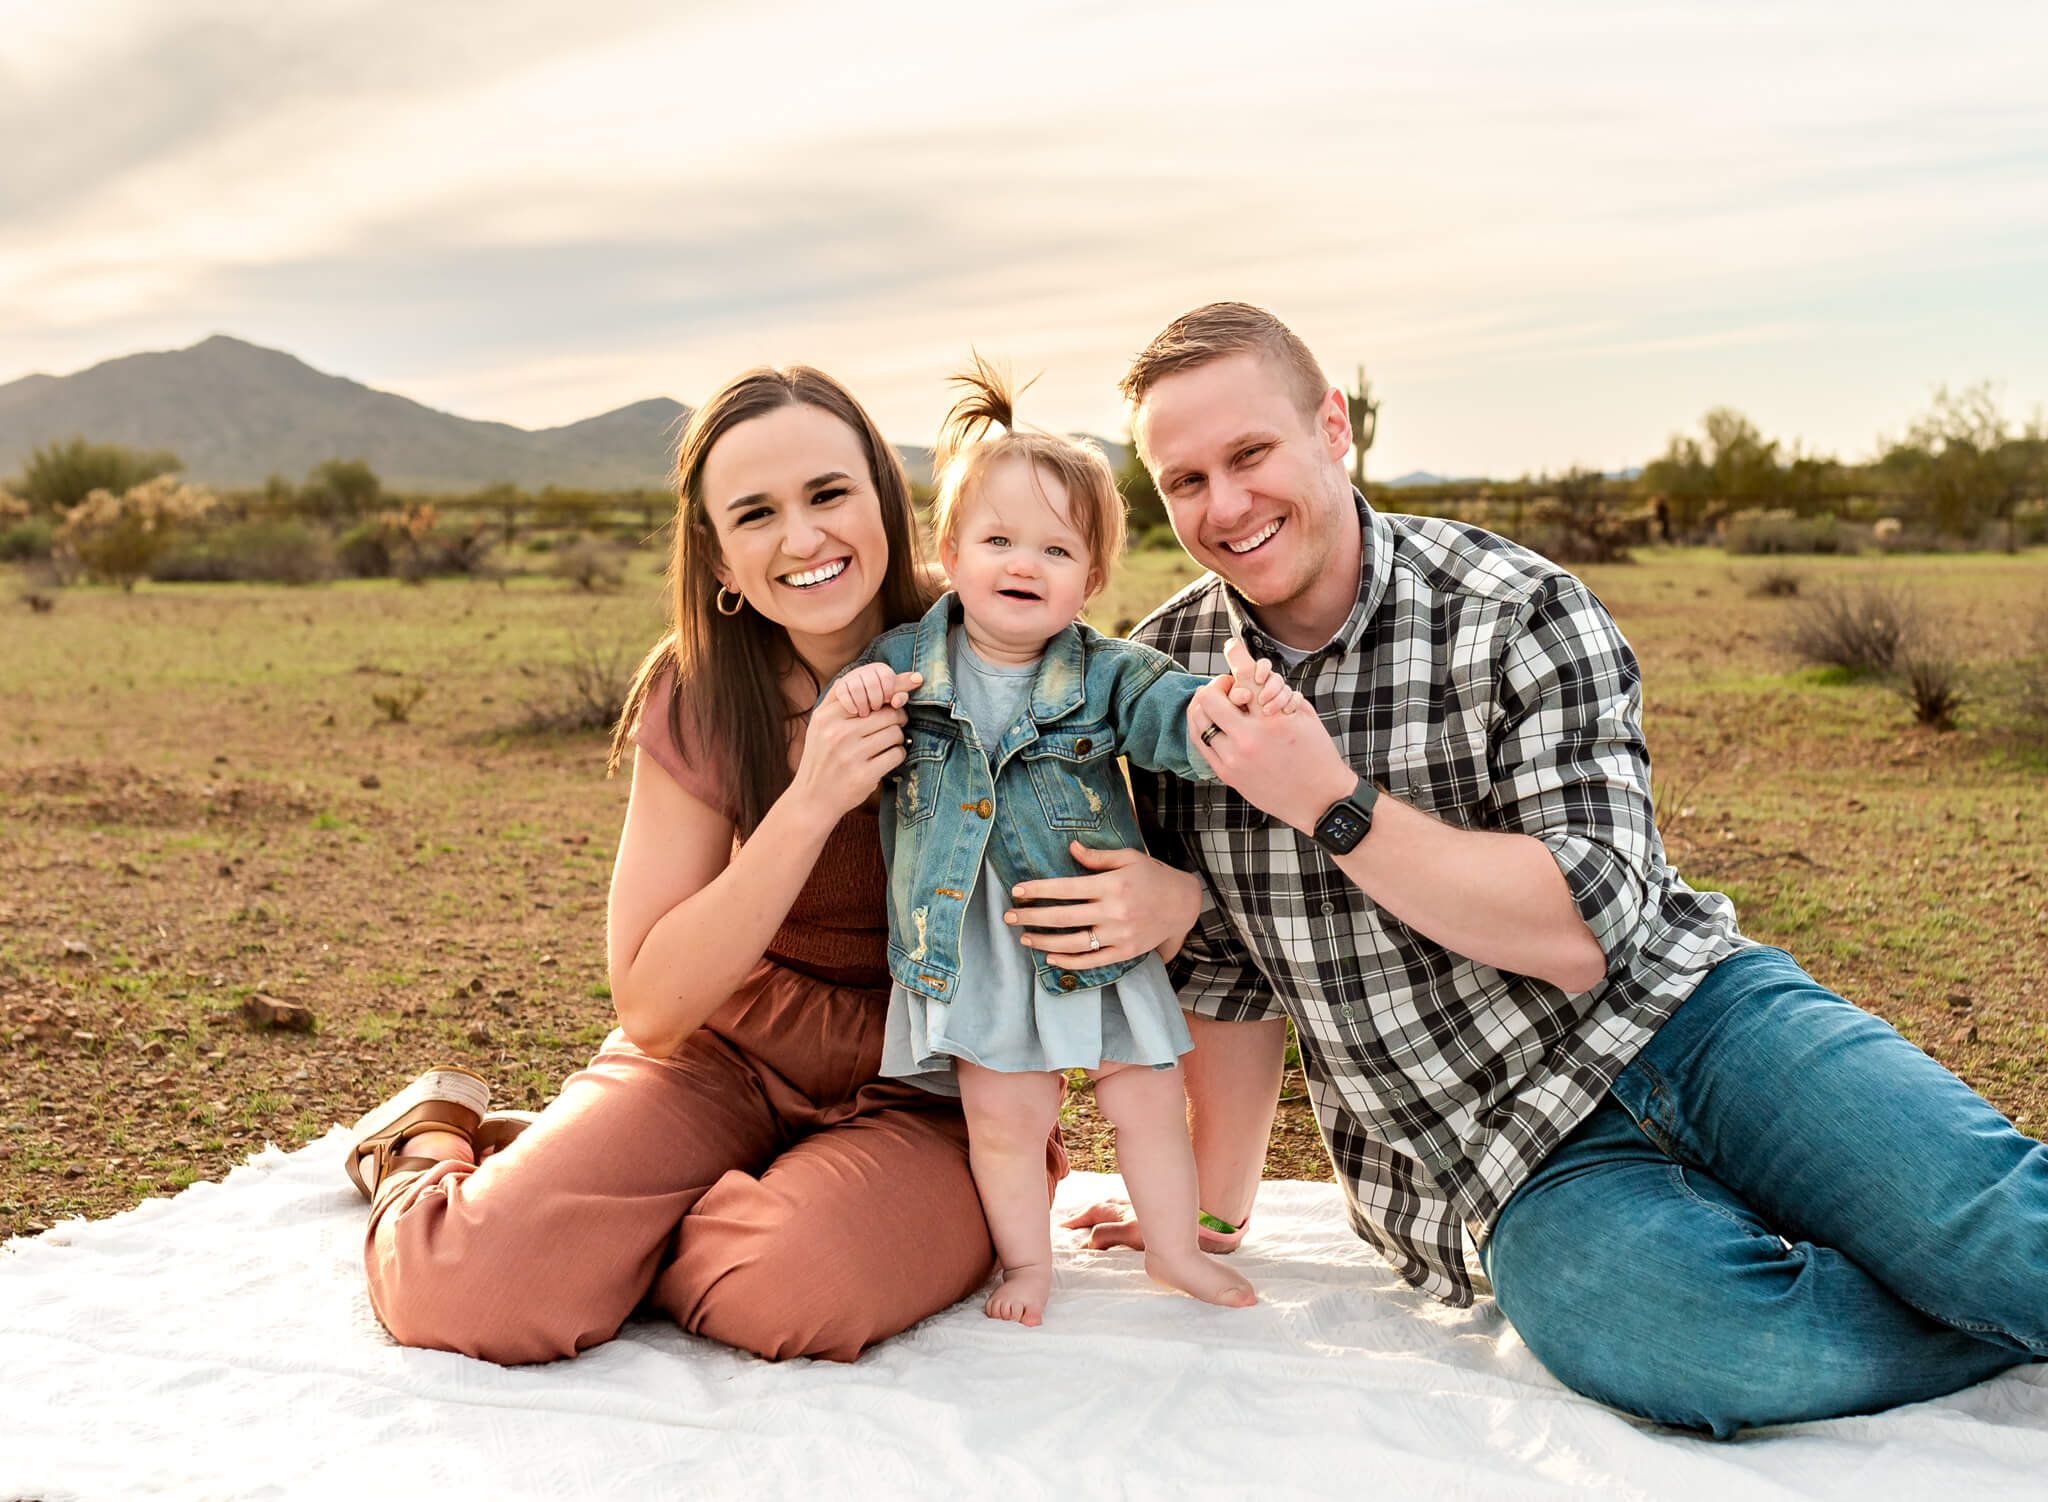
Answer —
(496, 1131)
(445, 1099)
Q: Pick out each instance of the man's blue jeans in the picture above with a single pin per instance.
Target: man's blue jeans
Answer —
(1782, 1211)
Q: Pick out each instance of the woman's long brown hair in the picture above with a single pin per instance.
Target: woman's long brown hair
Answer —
(729, 668)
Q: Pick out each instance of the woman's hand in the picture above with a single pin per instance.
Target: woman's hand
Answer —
(846, 755)
(1130, 902)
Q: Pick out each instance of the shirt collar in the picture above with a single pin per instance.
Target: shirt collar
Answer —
(1376, 568)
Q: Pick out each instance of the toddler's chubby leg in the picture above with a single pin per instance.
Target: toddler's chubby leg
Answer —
(1008, 1119)
(1149, 1110)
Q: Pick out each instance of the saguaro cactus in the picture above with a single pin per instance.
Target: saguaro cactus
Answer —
(1365, 422)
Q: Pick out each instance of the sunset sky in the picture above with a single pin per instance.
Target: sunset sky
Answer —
(1554, 233)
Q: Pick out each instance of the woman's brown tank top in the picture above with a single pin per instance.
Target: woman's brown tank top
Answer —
(838, 928)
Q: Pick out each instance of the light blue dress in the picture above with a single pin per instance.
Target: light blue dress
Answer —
(999, 1016)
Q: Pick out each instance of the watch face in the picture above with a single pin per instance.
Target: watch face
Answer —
(1341, 829)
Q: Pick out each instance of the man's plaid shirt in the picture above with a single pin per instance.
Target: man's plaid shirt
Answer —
(1482, 684)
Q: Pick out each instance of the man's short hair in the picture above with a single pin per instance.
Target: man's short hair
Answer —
(1227, 328)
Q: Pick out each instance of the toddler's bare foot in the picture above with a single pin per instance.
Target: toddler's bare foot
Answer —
(1022, 1294)
(1200, 1276)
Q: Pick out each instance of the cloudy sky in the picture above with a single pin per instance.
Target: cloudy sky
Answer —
(1554, 233)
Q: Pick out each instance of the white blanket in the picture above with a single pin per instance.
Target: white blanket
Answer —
(221, 1345)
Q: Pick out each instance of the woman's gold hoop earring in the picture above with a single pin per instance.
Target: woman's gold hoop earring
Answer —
(739, 602)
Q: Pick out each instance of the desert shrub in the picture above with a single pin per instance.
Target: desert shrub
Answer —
(436, 552)
(278, 551)
(411, 544)
(1780, 531)
(1863, 629)
(1903, 537)
(2033, 677)
(398, 705)
(540, 544)
(587, 692)
(120, 537)
(61, 475)
(469, 552)
(1671, 797)
(13, 509)
(1578, 525)
(1929, 677)
(589, 565)
(38, 585)
(25, 542)
(270, 551)
(340, 489)
(364, 552)
(1775, 583)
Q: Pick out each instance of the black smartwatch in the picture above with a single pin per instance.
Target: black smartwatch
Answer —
(1347, 821)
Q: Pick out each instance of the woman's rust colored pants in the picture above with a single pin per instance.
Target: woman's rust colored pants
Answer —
(762, 1187)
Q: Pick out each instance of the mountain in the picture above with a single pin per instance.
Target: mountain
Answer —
(1416, 477)
(236, 413)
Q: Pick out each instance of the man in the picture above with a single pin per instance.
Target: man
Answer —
(1705, 1189)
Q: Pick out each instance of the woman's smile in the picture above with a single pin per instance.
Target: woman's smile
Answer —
(816, 576)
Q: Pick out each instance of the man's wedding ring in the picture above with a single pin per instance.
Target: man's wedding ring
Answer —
(1211, 733)
(1094, 940)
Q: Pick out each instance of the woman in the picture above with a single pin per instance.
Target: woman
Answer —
(729, 1155)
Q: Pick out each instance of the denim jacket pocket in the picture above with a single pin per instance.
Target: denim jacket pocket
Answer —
(1075, 776)
(919, 780)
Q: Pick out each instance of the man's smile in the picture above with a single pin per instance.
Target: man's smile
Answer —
(1256, 540)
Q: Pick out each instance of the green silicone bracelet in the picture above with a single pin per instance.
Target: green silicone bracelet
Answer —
(1216, 1223)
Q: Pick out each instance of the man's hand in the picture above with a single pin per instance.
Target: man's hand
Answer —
(1130, 902)
(1285, 764)
(873, 686)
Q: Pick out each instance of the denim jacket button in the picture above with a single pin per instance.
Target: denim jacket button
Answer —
(1068, 982)
(1083, 746)
(986, 807)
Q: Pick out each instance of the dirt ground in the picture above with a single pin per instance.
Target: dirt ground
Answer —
(202, 802)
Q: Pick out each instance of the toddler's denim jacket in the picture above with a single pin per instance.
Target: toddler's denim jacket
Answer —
(1053, 778)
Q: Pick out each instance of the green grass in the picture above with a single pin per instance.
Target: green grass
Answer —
(1887, 857)
(375, 1028)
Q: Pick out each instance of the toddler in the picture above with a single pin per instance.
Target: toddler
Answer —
(1011, 752)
